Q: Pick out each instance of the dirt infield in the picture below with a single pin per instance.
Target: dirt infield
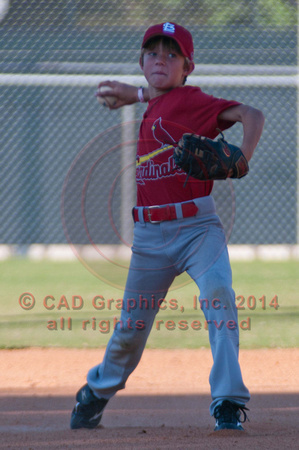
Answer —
(164, 406)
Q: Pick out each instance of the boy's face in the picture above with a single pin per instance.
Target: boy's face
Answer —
(164, 69)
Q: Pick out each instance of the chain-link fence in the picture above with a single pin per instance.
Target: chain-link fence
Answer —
(67, 162)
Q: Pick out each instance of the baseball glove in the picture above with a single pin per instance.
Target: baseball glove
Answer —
(205, 159)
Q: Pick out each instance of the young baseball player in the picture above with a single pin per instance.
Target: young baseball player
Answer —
(176, 229)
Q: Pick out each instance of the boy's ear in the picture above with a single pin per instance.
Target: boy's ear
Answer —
(141, 62)
(189, 68)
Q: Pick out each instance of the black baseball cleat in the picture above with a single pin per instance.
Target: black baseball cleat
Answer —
(228, 416)
(89, 409)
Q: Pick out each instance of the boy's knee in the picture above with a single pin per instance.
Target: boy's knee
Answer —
(217, 297)
(130, 339)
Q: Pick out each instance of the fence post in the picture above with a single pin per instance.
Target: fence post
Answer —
(128, 156)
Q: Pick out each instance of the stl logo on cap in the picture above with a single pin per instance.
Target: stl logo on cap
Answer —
(168, 27)
(182, 36)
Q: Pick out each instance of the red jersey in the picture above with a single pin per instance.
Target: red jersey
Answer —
(182, 110)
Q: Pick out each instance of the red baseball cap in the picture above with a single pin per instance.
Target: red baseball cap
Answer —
(182, 36)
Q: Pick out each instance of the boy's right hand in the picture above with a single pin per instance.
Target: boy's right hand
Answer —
(126, 94)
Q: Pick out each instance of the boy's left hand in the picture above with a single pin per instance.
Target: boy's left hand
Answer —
(205, 159)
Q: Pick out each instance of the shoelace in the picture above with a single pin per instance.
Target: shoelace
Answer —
(228, 412)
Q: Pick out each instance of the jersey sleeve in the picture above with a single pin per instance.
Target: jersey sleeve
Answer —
(204, 112)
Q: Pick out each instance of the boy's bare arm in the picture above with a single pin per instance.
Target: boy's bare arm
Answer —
(126, 94)
(252, 120)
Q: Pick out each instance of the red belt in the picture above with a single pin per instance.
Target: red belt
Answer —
(157, 214)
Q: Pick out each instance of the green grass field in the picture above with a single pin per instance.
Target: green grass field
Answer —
(74, 308)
